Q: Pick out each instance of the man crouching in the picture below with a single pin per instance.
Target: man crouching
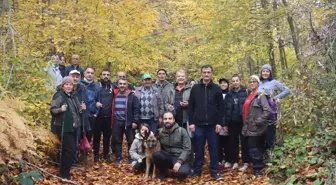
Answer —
(175, 149)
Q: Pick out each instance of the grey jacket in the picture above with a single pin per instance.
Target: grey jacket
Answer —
(170, 99)
(177, 143)
(136, 151)
(157, 101)
(164, 90)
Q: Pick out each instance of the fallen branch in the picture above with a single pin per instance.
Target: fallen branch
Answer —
(55, 176)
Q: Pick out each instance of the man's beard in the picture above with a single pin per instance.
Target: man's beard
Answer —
(169, 125)
(106, 79)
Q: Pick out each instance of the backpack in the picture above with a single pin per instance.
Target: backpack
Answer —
(274, 113)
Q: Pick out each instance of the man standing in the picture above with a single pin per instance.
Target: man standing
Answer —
(163, 85)
(79, 92)
(177, 98)
(175, 149)
(206, 118)
(75, 61)
(93, 96)
(122, 75)
(103, 123)
(62, 65)
(151, 103)
(125, 116)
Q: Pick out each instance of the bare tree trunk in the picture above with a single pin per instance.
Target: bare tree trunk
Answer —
(269, 33)
(295, 39)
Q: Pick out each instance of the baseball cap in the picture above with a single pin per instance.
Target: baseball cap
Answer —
(146, 76)
(74, 72)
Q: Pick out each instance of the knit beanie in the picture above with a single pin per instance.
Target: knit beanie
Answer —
(67, 79)
(266, 66)
(256, 78)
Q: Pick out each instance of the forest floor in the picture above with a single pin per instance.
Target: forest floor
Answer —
(102, 173)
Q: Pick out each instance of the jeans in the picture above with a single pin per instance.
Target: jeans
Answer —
(153, 124)
(118, 132)
(203, 134)
(89, 134)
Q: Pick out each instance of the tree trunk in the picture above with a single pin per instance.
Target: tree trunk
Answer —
(295, 39)
(269, 33)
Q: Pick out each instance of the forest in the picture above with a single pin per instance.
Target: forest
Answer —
(296, 37)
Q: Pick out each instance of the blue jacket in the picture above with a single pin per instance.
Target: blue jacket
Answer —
(274, 89)
(70, 68)
(93, 96)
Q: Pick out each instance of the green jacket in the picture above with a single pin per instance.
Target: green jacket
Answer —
(177, 142)
(170, 99)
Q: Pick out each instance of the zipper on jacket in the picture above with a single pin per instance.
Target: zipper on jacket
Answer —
(206, 103)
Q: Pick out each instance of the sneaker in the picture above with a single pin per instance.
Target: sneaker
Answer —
(118, 160)
(217, 177)
(107, 159)
(235, 166)
(96, 158)
(227, 165)
(242, 169)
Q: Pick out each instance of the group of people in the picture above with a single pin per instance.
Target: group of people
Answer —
(184, 116)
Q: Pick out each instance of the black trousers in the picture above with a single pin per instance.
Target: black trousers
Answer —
(164, 161)
(140, 166)
(224, 149)
(102, 125)
(270, 136)
(256, 151)
(89, 134)
(68, 146)
(235, 129)
(117, 136)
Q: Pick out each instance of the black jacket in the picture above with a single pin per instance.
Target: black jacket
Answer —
(132, 109)
(235, 104)
(106, 96)
(206, 105)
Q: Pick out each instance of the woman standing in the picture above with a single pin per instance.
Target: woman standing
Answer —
(256, 114)
(67, 112)
(276, 91)
(53, 70)
(223, 141)
(234, 117)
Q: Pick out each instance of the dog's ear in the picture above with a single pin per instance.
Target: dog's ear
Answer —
(157, 134)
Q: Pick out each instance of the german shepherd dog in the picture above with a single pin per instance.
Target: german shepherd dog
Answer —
(151, 145)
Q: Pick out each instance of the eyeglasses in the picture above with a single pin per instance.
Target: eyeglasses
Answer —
(253, 82)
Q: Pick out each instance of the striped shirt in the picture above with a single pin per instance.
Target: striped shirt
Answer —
(120, 107)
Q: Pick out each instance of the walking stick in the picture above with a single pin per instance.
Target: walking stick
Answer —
(61, 152)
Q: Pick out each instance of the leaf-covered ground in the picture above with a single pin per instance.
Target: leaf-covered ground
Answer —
(104, 173)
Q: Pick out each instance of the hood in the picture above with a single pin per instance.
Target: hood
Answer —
(138, 136)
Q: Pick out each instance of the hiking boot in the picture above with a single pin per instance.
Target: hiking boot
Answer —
(217, 177)
(118, 160)
(235, 166)
(257, 173)
(244, 168)
(227, 165)
(96, 158)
